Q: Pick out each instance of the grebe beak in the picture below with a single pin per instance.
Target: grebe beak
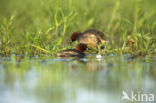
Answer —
(105, 41)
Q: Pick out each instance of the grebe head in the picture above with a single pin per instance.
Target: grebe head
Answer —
(81, 47)
(74, 36)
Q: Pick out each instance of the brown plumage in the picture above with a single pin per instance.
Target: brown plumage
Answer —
(92, 38)
(78, 52)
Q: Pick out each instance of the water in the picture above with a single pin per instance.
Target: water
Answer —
(89, 80)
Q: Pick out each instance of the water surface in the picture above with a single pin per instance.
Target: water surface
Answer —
(89, 80)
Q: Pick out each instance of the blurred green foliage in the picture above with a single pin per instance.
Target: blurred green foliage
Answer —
(29, 26)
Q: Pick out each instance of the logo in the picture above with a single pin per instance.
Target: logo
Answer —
(137, 96)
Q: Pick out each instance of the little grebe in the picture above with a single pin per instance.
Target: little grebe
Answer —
(92, 38)
(78, 52)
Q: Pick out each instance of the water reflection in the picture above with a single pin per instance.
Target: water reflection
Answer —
(75, 81)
